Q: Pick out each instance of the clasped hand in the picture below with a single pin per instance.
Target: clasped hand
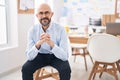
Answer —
(45, 37)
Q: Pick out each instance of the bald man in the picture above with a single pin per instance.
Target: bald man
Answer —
(47, 46)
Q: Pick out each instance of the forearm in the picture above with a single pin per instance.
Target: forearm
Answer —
(31, 53)
(60, 53)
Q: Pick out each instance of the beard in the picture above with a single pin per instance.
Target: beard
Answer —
(45, 21)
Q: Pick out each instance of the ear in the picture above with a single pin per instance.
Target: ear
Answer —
(36, 15)
(51, 14)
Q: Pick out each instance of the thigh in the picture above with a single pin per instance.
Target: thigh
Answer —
(63, 68)
(32, 66)
(60, 65)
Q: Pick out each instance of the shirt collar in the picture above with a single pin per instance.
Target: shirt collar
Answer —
(48, 29)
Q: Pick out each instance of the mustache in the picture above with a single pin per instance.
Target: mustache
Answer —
(45, 21)
(45, 18)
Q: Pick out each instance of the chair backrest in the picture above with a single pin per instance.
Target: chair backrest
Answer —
(104, 47)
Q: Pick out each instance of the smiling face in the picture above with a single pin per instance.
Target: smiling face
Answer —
(44, 15)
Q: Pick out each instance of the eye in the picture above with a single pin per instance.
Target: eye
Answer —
(41, 13)
(47, 12)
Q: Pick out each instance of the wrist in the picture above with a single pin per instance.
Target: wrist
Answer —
(38, 47)
(52, 45)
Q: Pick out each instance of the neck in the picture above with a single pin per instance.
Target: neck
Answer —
(45, 28)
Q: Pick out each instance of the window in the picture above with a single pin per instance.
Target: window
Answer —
(3, 23)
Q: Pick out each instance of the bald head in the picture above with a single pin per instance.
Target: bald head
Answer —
(44, 7)
(44, 15)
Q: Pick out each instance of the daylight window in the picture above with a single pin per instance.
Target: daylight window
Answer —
(3, 23)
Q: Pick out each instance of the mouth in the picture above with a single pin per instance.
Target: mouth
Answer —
(45, 21)
(45, 18)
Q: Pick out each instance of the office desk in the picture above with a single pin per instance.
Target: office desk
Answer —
(76, 38)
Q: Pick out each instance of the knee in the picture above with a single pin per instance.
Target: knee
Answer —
(65, 73)
(65, 69)
(25, 69)
(68, 69)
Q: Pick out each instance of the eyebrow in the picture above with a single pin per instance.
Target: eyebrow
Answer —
(44, 11)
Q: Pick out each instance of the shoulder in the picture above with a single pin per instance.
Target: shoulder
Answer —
(34, 28)
(57, 27)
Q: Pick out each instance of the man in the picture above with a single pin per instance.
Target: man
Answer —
(47, 45)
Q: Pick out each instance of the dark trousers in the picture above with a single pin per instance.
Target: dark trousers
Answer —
(42, 60)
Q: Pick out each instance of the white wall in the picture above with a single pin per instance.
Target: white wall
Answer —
(15, 56)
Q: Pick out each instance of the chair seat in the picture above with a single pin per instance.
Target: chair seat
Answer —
(75, 45)
(46, 72)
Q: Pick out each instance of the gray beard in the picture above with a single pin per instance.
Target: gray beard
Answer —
(45, 24)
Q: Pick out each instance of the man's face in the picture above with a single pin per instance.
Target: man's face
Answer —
(45, 19)
(44, 16)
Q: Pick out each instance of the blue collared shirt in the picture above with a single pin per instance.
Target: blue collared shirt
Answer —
(58, 36)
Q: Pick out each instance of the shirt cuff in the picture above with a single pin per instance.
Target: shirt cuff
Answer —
(35, 49)
(55, 49)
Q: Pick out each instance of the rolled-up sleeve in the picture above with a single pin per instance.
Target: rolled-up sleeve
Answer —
(61, 50)
(31, 50)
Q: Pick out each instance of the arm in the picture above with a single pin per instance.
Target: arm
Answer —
(61, 50)
(31, 50)
(32, 47)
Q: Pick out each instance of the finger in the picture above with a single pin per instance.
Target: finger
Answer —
(43, 40)
(47, 35)
(43, 34)
(48, 39)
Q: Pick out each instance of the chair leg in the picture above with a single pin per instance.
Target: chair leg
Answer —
(85, 63)
(104, 66)
(96, 68)
(118, 65)
(84, 55)
(91, 58)
(74, 58)
(115, 72)
(92, 74)
(39, 72)
(74, 50)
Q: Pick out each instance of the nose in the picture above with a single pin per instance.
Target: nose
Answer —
(44, 15)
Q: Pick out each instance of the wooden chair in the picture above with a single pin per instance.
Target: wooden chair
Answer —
(118, 65)
(80, 49)
(46, 72)
(104, 49)
(79, 44)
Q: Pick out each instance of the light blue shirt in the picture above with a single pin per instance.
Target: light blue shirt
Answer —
(58, 36)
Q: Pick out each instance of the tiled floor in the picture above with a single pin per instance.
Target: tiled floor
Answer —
(78, 72)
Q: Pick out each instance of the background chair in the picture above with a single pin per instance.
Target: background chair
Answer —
(80, 49)
(104, 49)
(78, 45)
(46, 72)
